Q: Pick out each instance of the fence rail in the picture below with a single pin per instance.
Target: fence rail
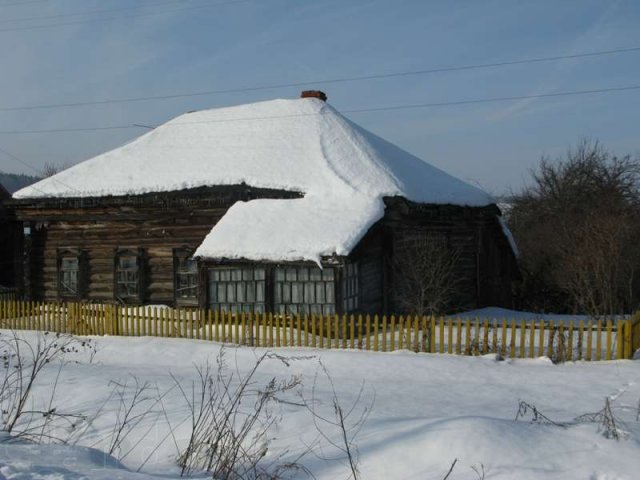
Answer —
(574, 340)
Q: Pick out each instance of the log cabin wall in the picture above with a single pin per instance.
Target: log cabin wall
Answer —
(153, 224)
(369, 255)
(486, 266)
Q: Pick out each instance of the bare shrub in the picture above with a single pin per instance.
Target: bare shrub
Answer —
(558, 345)
(425, 274)
(22, 362)
(230, 421)
(610, 425)
(342, 422)
(527, 410)
(136, 402)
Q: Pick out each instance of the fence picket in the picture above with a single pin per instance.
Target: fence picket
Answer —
(605, 339)
(608, 344)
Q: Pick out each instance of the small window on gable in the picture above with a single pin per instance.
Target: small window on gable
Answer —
(71, 276)
(128, 274)
(185, 276)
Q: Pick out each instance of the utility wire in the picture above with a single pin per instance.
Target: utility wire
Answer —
(89, 12)
(17, 159)
(325, 81)
(354, 110)
(14, 4)
(94, 20)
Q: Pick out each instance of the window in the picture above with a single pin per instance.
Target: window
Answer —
(69, 273)
(128, 274)
(236, 289)
(350, 287)
(304, 290)
(186, 276)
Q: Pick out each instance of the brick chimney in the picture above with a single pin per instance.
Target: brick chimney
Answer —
(314, 94)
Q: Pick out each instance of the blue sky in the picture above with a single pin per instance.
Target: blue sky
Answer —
(260, 42)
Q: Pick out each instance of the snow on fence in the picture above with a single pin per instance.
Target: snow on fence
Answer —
(574, 340)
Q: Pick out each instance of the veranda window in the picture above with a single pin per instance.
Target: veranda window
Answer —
(304, 290)
(236, 289)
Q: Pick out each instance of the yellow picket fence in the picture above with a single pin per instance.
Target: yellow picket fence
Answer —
(573, 340)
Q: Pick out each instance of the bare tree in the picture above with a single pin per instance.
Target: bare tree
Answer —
(49, 170)
(577, 226)
(425, 274)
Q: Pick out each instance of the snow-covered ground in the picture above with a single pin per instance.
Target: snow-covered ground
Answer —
(427, 411)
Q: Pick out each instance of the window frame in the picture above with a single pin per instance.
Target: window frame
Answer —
(81, 273)
(139, 255)
(266, 304)
(185, 253)
(270, 281)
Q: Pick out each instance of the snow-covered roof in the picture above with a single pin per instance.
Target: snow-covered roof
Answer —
(301, 145)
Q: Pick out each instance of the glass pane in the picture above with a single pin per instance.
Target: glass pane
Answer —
(230, 292)
(309, 292)
(279, 274)
(296, 293)
(251, 292)
(291, 274)
(316, 274)
(260, 291)
(303, 274)
(127, 262)
(330, 290)
(240, 288)
(286, 292)
(320, 297)
(328, 274)
(236, 275)
(69, 263)
(260, 273)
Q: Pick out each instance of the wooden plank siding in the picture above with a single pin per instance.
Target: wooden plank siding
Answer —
(486, 265)
(158, 223)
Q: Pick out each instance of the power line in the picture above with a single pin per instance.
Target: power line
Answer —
(17, 159)
(354, 110)
(94, 20)
(13, 4)
(89, 12)
(325, 81)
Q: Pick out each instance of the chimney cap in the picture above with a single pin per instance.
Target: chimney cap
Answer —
(314, 94)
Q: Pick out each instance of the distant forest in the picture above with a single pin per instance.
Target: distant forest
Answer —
(14, 182)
